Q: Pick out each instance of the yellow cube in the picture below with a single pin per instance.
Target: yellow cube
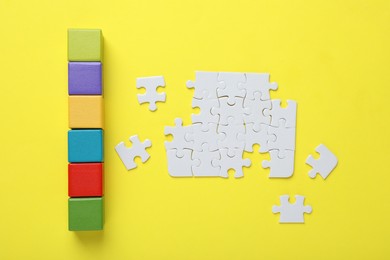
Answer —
(86, 112)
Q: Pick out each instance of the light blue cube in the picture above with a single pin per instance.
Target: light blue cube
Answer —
(85, 145)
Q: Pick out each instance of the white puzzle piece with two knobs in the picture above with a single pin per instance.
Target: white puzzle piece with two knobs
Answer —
(324, 165)
(137, 149)
(291, 212)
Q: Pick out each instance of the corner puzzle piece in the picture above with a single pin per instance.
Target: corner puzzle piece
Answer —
(258, 83)
(228, 137)
(277, 113)
(180, 166)
(151, 96)
(324, 165)
(236, 163)
(255, 108)
(285, 139)
(205, 117)
(229, 86)
(291, 213)
(199, 137)
(205, 85)
(280, 167)
(252, 137)
(205, 167)
(236, 111)
(179, 133)
(137, 149)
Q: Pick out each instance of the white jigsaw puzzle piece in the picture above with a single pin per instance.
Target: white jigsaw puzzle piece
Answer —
(255, 114)
(291, 213)
(285, 139)
(252, 137)
(236, 163)
(179, 133)
(225, 111)
(229, 86)
(205, 117)
(180, 166)
(205, 84)
(151, 95)
(206, 157)
(278, 113)
(228, 137)
(199, 137)
(324, 165)
(137, 149)
(258, 83)
(280, 167)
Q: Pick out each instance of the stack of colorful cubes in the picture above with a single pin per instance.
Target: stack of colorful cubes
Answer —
(85, 139)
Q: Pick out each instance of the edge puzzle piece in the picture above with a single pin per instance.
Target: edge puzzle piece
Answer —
(324, 165)
(151, 95)
(137, 149)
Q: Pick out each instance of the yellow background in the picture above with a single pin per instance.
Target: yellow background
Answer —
(332, 57)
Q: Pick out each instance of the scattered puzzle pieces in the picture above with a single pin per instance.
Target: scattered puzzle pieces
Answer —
(291, 213)
(324, 165)
(137, 149)
(151, 95)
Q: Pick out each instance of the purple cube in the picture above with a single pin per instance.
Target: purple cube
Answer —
(85, 78)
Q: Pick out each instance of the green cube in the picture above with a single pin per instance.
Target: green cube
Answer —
(85, 213)
(85, 45)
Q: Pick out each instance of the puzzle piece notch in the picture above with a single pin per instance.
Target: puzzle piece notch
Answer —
(205, 168)
(205, 85)
(229, 86)
(258, 83)
(137, 149)
(200, 137)
(285, 138)
(252, 137)
(324, 165)
(278, 113)
(151, 95)
(228, 136)
(255, 108)
(280, 167)
(225, 111)
(179, 141)
(236, 163)
(181, 166)
(205, 117)
(291, 213)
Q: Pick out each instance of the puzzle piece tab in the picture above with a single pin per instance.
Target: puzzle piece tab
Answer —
(324, 165)
(151, 95)
(137, 149)
(291, 213)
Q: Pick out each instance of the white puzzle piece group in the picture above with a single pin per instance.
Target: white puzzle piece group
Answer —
(236, 112)
(137, 149)
(151, 95)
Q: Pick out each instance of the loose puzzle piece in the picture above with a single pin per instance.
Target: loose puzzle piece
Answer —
(255, 114)
(235, 162)
(205, 117)
(280, 167)
(151, 96)
(180, 166)
(205, 168)
(200, 137)
(228, 137)
(236, 111)
(258, 83)
(324, 165)
(277, 113)
(137, 149)
(229, 86)
(252, 137)
(205, 85)
(285, 139)
(291, 213)
(179, 133)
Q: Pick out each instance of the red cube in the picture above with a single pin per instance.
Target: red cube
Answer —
(85, 179)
